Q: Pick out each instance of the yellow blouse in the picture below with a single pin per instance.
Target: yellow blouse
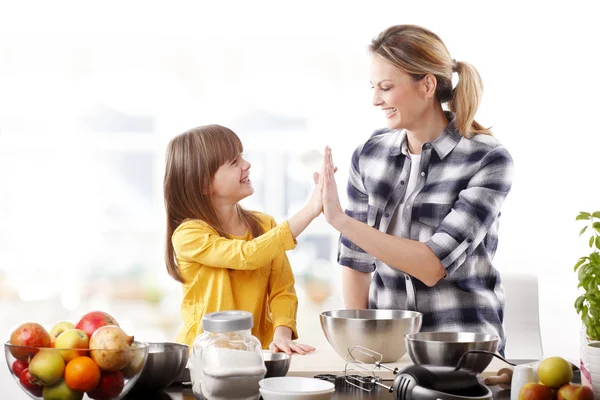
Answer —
(236, 274)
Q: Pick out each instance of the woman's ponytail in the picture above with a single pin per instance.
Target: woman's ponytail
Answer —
(466, 97)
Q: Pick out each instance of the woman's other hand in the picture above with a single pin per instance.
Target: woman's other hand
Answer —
(331, 202)
(282, 341)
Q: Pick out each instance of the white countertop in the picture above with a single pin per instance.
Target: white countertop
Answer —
(325, 360)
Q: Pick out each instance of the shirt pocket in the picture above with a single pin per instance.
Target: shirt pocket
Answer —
(432, 214)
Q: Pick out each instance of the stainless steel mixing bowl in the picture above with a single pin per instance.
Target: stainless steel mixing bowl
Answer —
(165, 363)
(277, 364)
(446, 348)
(381, 331)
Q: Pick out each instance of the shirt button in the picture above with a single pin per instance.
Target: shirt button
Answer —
(387, 215)
(427, 145)
(407, 278)
(469, 240)
(422, 173)
(407, 206)
(402, 182)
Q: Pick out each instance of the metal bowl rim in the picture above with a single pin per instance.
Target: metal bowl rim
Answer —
(491, 338)
(285, 357)
(414, 314)
(177, 347)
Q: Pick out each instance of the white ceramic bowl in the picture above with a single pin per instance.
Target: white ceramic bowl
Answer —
(295, 388)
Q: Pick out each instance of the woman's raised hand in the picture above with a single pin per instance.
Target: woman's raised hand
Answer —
(331, 201)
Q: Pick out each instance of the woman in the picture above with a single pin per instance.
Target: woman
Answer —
(424, 195)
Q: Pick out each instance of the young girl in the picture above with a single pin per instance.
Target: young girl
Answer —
(228, 258)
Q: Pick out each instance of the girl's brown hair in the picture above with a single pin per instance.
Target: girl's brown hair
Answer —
(418, 52)
(192, 160)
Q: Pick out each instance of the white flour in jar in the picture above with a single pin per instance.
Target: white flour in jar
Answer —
(222, 373)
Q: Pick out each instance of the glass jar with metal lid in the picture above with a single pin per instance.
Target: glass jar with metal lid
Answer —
(227, 360)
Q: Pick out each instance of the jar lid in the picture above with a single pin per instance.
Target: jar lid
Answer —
(227, 321)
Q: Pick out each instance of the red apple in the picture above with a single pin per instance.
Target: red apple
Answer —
(571, 391)
(29, 334)
(18, 367)
(30, 383)
(94, 320)
(110, 386)
(535, 391)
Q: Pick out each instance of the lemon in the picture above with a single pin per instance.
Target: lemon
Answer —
(554, 372)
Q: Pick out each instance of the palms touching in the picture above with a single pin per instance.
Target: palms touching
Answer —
(331, 201)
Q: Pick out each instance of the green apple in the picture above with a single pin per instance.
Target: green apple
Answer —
(47, 366)
(60, 328)
(60, 391)
(72, 339)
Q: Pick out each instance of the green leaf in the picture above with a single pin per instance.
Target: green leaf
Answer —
(583, 215)
(581, 261)
(582, 272)
(598, 242)
(591, 241)
(595, 259)
(579, 303)
(596, 226)
(596, 214)
(583, 230)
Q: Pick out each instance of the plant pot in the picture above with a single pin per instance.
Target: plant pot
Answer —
(586, 378)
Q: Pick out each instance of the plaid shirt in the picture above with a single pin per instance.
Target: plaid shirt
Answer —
(454, 210)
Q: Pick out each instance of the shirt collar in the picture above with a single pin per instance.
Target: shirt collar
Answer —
(443, 145)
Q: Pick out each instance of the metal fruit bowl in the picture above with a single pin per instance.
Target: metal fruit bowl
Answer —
(446, 349)
(57, 379)
(381, 331)
(164, 365)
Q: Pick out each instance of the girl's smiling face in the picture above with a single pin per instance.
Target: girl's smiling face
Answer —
(397, 94)
(231, 182)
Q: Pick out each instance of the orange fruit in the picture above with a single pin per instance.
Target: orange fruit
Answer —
(82, 374)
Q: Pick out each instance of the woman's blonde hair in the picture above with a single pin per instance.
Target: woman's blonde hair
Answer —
(418, 52)
(192, 160)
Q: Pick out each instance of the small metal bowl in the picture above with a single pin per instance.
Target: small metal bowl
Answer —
(446, 349)
(163, 366)
(277, 364)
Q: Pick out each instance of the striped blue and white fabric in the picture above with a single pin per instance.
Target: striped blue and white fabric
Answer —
(454, 209)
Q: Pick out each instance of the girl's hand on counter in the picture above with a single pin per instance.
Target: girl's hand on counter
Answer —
(282, 341)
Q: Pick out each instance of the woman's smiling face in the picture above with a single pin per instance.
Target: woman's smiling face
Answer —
(396, 93)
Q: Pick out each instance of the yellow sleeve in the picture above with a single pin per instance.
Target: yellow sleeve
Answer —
(197, 242)
(282, 295)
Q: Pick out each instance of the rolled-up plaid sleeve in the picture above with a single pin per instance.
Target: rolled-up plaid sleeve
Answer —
(476, 208)
(349, 254)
